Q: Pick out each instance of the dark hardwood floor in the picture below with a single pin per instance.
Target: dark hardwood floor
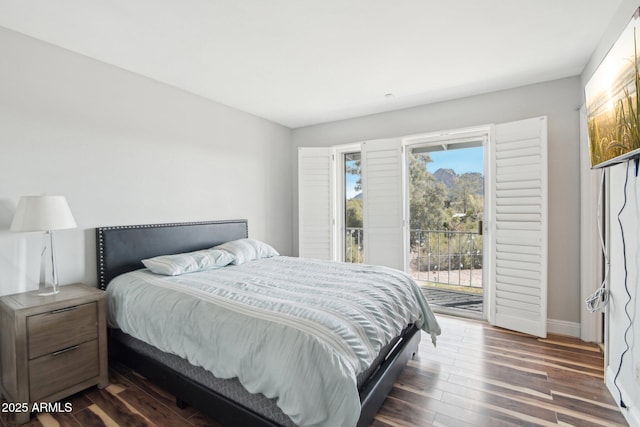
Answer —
(477, 376)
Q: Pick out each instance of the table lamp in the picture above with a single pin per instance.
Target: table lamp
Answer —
(44, 213)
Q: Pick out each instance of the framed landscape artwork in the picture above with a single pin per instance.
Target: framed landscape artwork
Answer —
(612, 102)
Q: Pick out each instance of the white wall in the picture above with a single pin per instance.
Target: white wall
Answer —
(559, 100)
(126, 150)
(617, 320)
(620, 304)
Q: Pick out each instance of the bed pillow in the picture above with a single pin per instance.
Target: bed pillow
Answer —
(188, 262)
(244, 250)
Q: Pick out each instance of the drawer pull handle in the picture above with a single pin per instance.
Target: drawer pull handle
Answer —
(56, 353)
(62, 310)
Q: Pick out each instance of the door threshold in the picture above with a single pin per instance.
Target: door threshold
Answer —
(468, 314)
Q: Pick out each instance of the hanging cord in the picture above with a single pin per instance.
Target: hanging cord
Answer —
(626, 288)
(600, 298)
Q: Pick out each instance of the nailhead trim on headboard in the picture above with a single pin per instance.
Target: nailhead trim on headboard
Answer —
(100, 240)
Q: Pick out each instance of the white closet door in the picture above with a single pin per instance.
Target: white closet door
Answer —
(316, 201)
(383, 203)
(519, 212)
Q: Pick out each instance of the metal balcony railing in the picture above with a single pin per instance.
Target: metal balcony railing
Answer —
(439, 256)
(444, 256)
(353, 249)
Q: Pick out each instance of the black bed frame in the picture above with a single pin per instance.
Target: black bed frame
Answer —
(120, 249)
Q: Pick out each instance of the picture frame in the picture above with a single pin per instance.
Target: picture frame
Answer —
(612, 101)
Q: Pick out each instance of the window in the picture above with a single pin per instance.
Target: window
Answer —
(516, 221)
(352, 213)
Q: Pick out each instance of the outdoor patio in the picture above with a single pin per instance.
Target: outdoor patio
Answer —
(453, 299)
(446, 264)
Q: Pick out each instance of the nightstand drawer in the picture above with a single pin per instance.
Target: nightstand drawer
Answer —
(61, 369)
(52, 346)
(59, 329)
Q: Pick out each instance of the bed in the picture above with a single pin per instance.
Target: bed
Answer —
(225, 397)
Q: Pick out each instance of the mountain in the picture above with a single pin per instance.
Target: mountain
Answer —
(450, 179)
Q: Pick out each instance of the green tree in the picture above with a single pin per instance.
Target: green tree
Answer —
(426, 195)
(467, 186)
(353, 214)
(353, 238)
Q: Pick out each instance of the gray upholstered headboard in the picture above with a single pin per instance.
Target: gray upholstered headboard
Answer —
(121, 249)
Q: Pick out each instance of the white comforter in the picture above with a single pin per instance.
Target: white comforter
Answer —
(294, 329)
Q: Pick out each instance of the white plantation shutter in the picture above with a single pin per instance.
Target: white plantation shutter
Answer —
(383, 203)
(316, 172)
(519, 255)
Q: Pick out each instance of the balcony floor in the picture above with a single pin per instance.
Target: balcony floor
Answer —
(453, 299)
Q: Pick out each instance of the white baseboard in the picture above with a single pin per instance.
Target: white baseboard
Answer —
(562, 327)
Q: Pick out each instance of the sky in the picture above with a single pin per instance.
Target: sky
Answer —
(461, 161)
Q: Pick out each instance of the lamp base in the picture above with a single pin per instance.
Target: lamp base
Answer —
(47, 289)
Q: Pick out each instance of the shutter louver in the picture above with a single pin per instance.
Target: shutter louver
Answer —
(315, 203)
(382, 185)
(520, 226)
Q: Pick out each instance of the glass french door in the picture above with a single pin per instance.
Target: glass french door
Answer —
(446, 182)
(353, 235)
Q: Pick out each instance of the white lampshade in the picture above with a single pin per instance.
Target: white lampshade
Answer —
(42, 213)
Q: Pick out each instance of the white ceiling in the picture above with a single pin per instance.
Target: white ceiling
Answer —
(301, 62)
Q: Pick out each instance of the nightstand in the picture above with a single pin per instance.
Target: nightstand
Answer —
(51, 346)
